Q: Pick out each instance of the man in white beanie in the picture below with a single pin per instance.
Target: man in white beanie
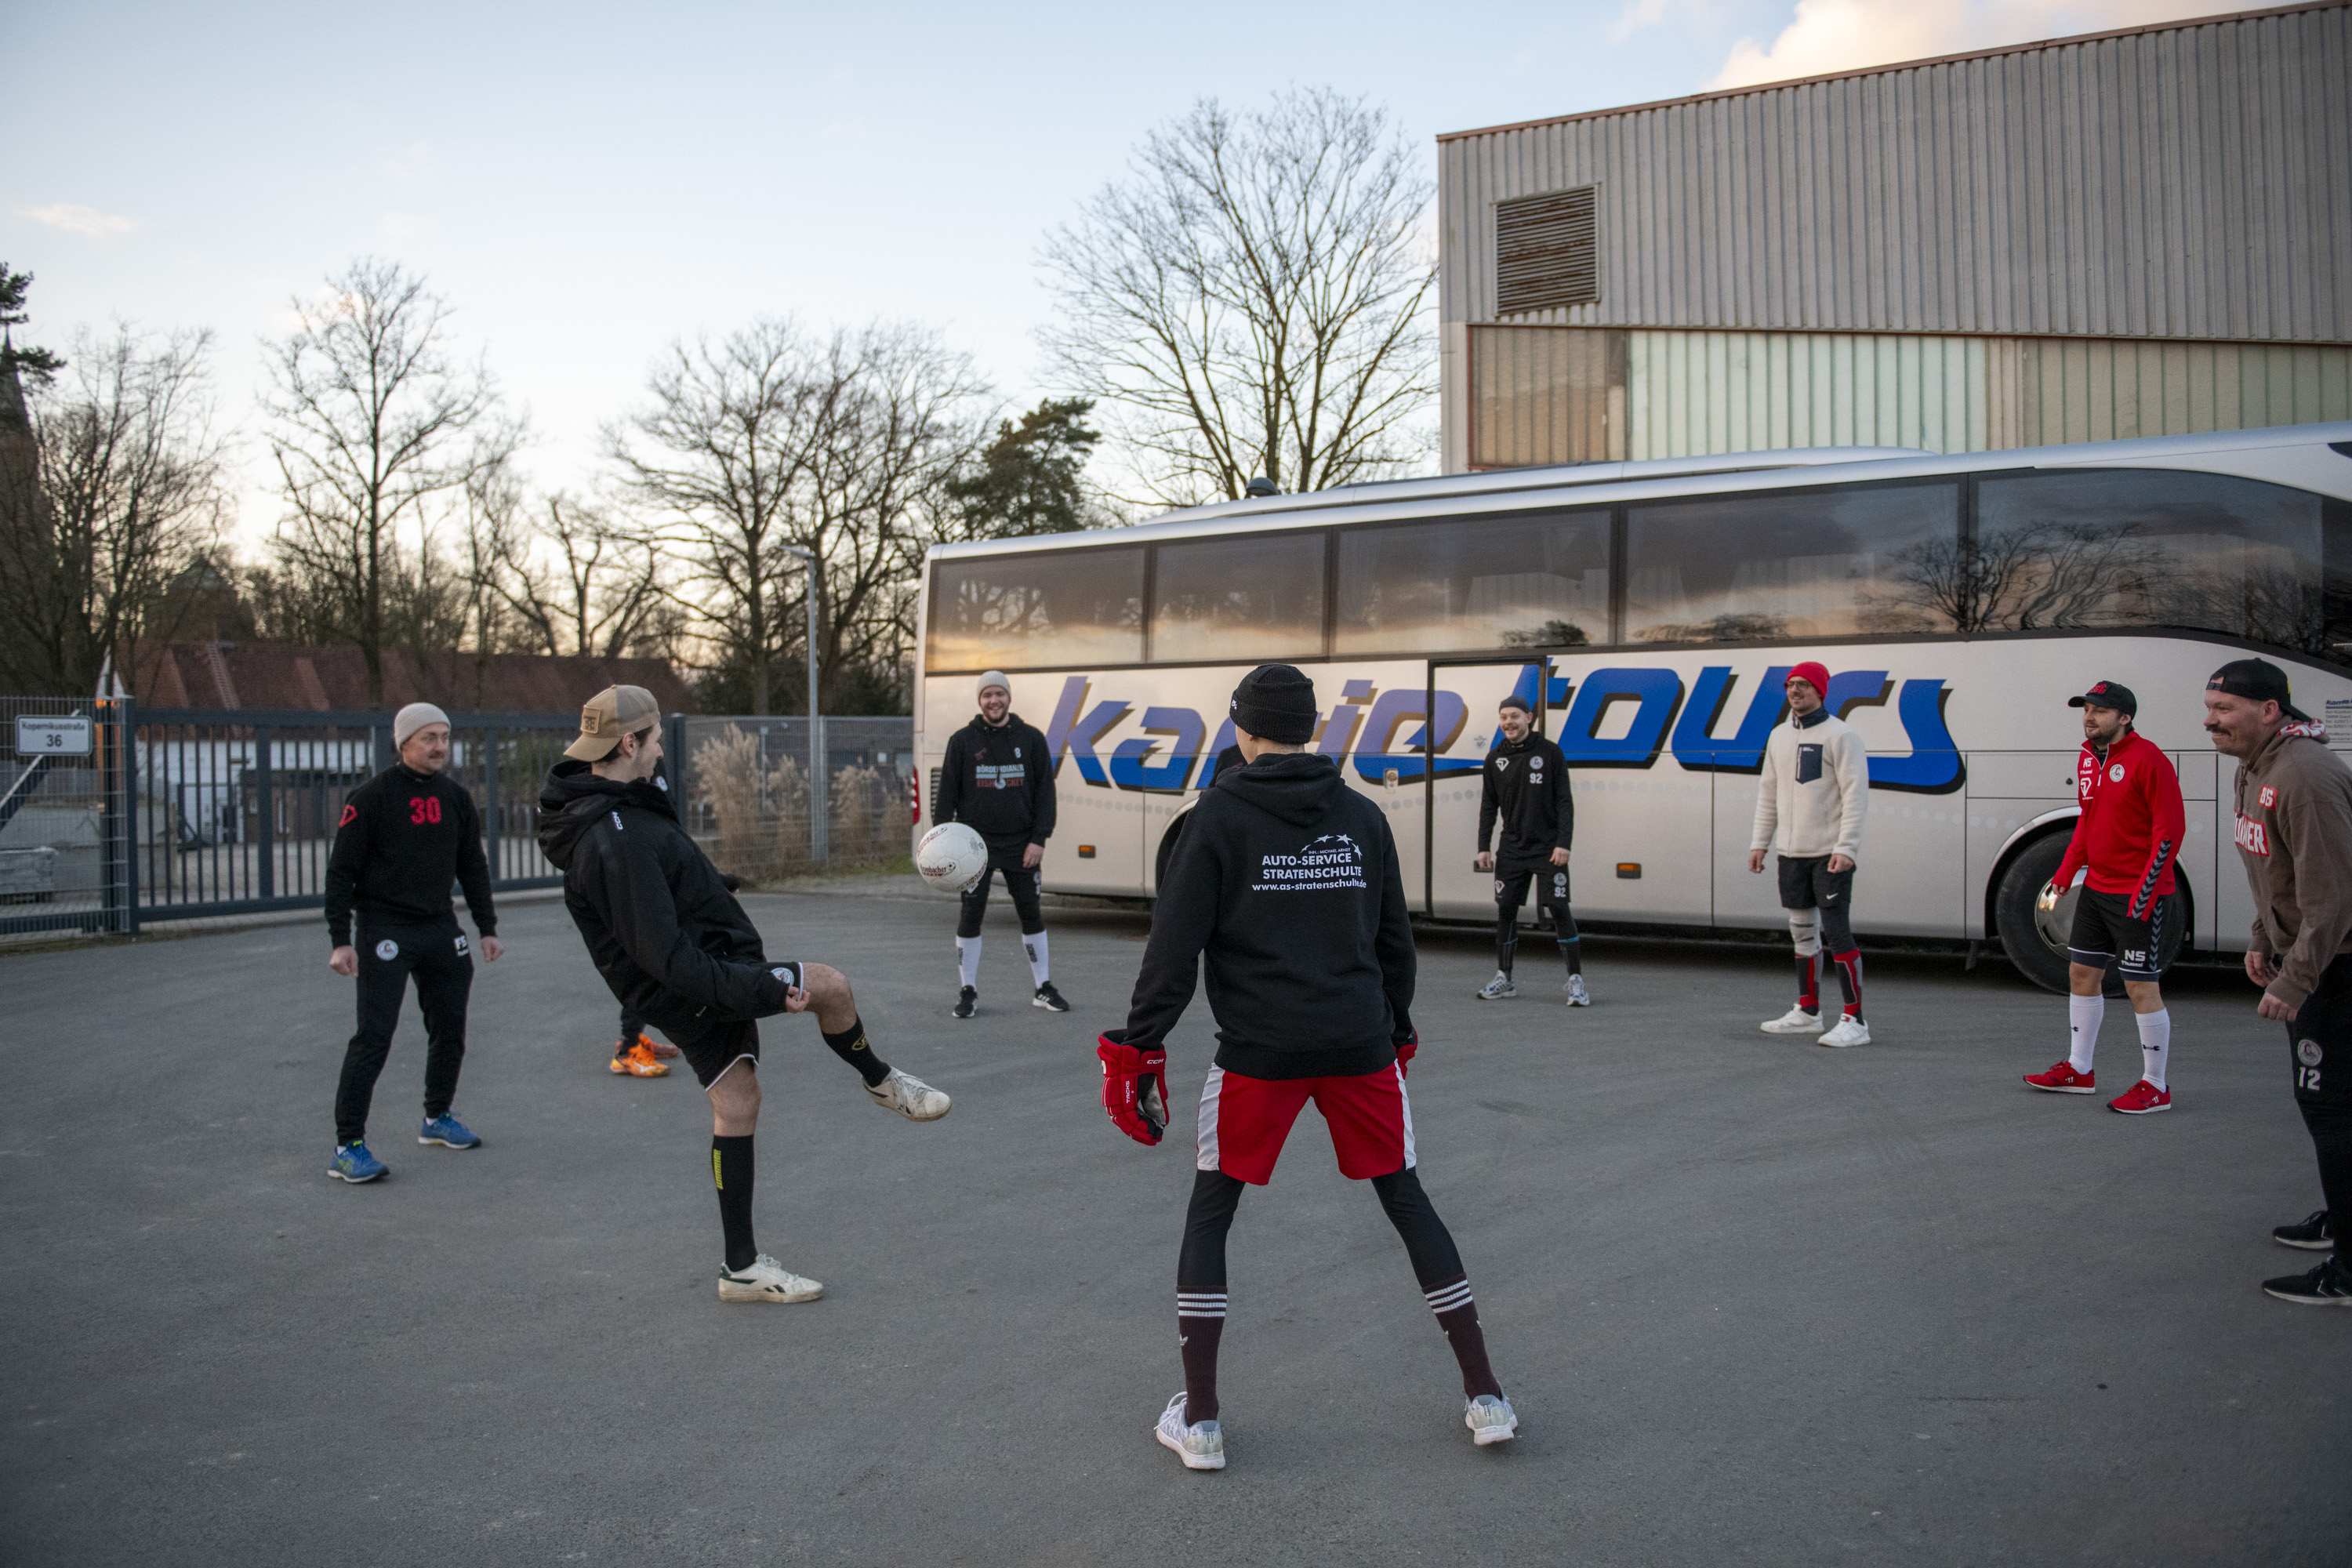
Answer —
(997, 780)
(405, 835)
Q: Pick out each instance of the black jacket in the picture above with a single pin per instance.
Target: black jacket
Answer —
(661, 927)
(1527, 786)
(997, 781)
(1288, 880)
(404, 838)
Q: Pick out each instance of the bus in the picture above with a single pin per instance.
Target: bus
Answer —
(1649, 612)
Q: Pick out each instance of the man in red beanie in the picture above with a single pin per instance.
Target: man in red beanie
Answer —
(1812, 799)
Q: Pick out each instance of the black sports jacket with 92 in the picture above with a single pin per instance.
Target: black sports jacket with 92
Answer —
(996, 780)
(404, 838)
(1525, 785)
(661, 927)
(1288, 880)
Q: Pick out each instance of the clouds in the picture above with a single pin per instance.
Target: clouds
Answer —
(74, 219)
(1828, 35)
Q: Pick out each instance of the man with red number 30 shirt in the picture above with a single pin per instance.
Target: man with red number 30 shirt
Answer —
(2124, 844)
(1289, 881)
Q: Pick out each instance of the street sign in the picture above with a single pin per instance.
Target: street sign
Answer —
(45, 735)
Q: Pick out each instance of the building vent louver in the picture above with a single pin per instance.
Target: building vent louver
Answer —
(1546, 251)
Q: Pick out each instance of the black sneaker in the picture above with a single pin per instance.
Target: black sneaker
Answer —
(2329, 1285)
(966, 1000)
(2312, 1235)
(1049, 999)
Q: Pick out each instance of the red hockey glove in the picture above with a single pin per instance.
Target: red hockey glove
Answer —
(1133, 1084)
(1405, 1047)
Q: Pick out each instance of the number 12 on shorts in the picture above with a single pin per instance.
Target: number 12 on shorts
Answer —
(2307, 1077)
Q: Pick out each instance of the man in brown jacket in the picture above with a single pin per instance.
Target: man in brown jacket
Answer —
(2294, 800)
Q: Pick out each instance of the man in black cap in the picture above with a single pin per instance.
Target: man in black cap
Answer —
(2125, 845)
(2294, 812)
(1289, 881)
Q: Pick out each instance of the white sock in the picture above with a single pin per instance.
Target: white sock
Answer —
(1039, 970)
(968, 960)
(2155, 1044)
(2082, 1015)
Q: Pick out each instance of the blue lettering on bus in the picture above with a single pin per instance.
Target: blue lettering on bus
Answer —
(1659, 691)
(1127, 763)
(1699, 748)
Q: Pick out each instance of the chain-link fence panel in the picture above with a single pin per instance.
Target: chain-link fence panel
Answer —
(756, 807)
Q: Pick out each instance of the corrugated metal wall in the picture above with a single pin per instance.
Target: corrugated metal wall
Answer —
(2192, 182)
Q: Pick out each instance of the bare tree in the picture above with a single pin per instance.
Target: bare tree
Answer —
(1255, 299)
(2031, 577)
(121, 494)
(579, 580)
(374, 420)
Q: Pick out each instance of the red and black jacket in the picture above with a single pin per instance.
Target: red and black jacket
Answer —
(2132, 823)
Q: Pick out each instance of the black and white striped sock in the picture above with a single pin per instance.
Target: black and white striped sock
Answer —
(1200, 1325)
(1457, 1314)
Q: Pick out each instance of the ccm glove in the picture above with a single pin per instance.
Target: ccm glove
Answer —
(1133, 1085)
(1405, 1047)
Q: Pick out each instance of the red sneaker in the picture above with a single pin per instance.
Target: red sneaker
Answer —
(662, 1053)
(2064, 1080)
(2140, 1098)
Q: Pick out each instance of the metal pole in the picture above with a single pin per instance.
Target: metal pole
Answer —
(820, 845)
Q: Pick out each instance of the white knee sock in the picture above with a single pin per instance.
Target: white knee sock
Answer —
(968, 959)
(2082, 1016)
(1034, 945)
(2155, 1044)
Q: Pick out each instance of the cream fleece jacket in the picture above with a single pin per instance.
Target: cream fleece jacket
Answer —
(1821, 816)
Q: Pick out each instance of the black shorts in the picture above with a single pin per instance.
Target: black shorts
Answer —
(2105, 932)
(711, 1048)
(1512, 876)
(1808, 883)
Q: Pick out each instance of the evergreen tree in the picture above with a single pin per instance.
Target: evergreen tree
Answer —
(1027, 479)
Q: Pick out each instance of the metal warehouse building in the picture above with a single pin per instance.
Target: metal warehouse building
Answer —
(2137, 233)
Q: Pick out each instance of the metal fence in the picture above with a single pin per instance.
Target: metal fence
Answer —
(65, 815)
(748, 798)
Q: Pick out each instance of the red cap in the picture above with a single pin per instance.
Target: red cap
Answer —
(1812, 672)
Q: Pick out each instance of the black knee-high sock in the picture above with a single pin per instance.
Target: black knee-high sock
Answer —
(1849, 968)
(1201, 1288)
(1507, 939)
(852, 1046)
(731, 1172)
(1437, 1264)
(1571, 940)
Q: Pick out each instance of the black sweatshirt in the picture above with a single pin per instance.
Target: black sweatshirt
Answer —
(1525, 785)
(404, 836)
(997, 780)
(670, 939)
(1288, 880)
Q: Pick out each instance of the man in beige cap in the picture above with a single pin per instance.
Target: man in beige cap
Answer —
(404, 835)
(679, 951)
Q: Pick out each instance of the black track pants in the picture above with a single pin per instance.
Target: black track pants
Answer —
(2319, 1054)
(1019, 880)
(440, 957)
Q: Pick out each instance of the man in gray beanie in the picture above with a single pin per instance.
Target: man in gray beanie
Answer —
(997, 780)
(405, 835)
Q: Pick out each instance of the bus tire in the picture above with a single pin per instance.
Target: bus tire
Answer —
(2028, 872)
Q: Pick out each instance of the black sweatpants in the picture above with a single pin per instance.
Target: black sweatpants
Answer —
(1020, 881)
(441, 959)
(2319, 1054)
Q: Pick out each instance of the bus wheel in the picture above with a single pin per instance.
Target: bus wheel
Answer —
(2034, 938)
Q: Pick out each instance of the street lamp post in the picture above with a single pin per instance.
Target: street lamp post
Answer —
(820, 845)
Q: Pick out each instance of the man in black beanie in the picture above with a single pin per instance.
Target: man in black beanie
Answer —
(1289, 881)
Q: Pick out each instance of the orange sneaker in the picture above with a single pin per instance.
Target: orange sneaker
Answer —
(639, 1062)
(662, 1053)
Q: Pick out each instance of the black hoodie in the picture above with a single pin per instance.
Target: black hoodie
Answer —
(1288, 880)
(996, 780)
(1537, 812)
(661, 927)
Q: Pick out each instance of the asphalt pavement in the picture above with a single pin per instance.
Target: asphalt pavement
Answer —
(1755, 1301)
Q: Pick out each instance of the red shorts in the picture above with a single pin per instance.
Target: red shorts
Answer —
(1243, 1121)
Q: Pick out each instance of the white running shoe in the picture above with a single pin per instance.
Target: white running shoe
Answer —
(766, 1280)
(1795, 1021)
(1577, 995)
(1201, 1445)
(1849, 1032)
(909, 1097)
(1490, 1419)
(1498, 989)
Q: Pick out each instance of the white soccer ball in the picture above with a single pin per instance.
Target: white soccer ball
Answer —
(951, 857)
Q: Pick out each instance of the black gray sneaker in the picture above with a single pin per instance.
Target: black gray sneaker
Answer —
(2312, 1235)
(1049, 999)
(2329, 1285)
(966, 1000)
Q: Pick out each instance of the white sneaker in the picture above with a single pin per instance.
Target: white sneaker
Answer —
(1498, 989)
(1201, 1445)
(909, 1097)
(1490, 1419)
(1577, 995)
(1849, 1032)
(1795, 1021)
(766, 1280)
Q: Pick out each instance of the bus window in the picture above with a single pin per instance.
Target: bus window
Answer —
(1036, 612)
(1526, 581)
(1797, 565)
(1250, 598)
(2150, 547)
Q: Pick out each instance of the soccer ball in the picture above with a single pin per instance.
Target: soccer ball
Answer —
(951, 857)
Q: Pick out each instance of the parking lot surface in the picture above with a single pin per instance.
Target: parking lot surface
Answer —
(1755, 1301)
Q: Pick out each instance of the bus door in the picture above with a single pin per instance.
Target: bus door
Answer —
(1465, 695)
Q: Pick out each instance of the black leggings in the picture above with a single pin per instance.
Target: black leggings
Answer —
(437, 956)
(1201, 1265)
(1019, 881)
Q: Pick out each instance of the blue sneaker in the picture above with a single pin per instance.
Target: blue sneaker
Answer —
(447, 1131)
(353, 1164)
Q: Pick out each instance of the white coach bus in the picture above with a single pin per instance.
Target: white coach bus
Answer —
(1651, 610)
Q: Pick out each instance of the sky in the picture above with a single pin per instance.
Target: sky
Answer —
(585, 183)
